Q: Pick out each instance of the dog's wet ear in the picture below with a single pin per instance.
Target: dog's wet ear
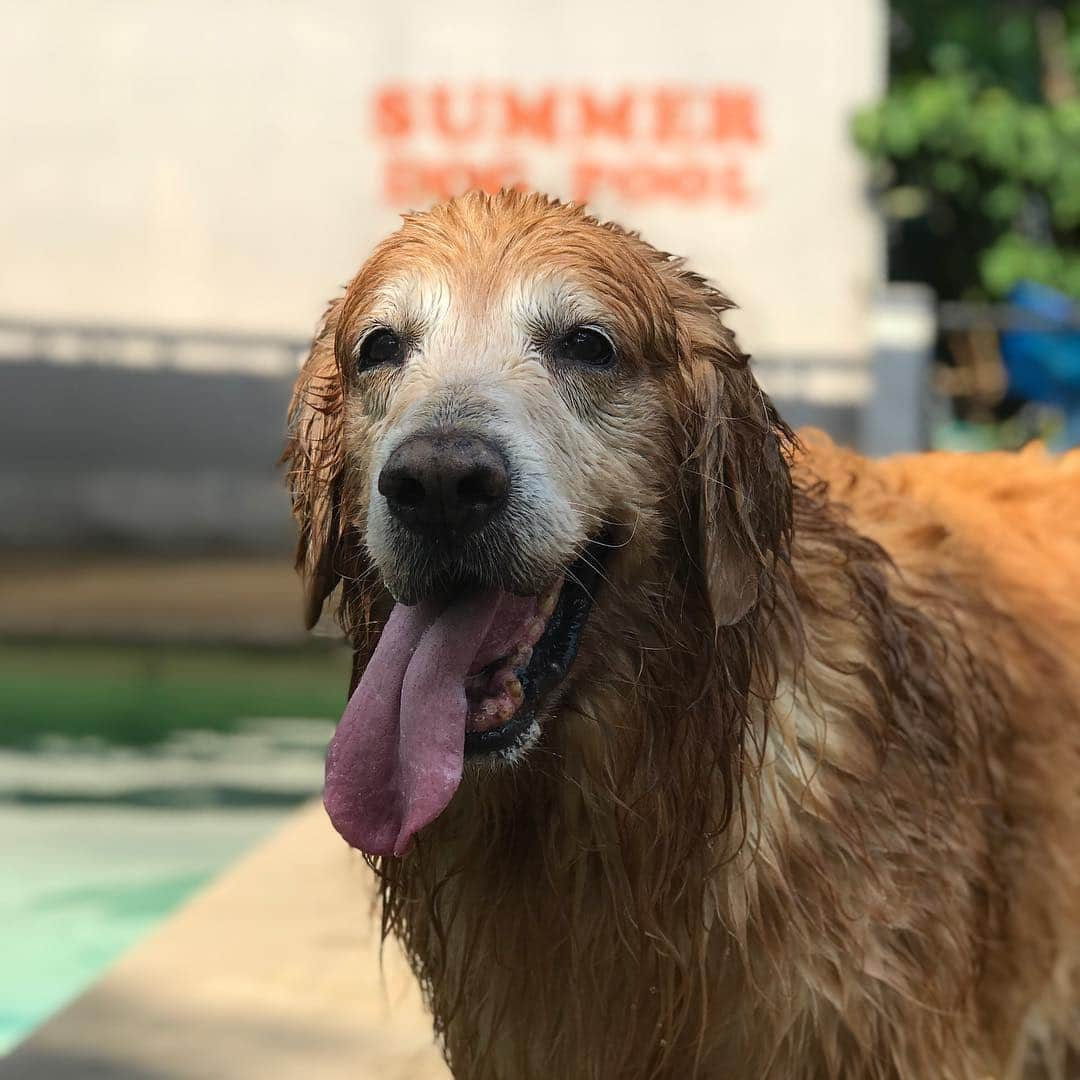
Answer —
(735, 476)
(314, 457)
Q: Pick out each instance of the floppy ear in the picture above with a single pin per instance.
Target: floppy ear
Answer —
(735, 477)
(314, 456)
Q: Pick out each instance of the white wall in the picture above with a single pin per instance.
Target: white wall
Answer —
(220, 164)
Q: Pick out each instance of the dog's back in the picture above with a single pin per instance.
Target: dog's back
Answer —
(1023, 512)
(994, 540)
(1010, 521)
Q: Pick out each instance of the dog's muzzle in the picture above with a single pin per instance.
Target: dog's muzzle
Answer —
(474, 653)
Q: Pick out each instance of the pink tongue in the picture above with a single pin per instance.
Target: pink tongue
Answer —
(395, 760)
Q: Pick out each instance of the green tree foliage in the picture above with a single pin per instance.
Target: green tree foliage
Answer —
(976, 146)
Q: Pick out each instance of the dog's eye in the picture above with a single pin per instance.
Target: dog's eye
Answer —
(381, 346)
(586, 346)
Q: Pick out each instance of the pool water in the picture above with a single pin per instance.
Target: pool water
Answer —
(99, 843)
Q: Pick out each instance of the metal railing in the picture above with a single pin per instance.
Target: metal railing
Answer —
(150, 347)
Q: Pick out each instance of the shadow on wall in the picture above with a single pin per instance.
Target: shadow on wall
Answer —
(106, 457)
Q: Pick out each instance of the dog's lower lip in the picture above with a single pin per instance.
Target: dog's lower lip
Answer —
(552, 655)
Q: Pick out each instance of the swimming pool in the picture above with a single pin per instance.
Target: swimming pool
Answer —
(98, 843)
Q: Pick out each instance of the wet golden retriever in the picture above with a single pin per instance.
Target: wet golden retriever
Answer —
(682, 748)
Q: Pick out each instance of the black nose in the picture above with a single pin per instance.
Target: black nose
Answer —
(445, 482)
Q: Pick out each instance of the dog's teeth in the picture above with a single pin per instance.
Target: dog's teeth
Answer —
(488, 716)
(496, 710)
(548, 601)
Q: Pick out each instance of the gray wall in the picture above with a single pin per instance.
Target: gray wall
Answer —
(106, 457)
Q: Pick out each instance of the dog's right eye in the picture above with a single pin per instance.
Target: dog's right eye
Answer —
(381, 346)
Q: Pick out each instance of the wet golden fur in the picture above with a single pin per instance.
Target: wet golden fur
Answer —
(811, 807)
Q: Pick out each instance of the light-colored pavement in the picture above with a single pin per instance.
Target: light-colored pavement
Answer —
(273, 971)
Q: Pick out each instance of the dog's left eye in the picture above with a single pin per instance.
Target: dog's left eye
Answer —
(587, 346)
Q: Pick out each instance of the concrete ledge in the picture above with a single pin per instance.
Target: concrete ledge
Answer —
(250, 600)
(273, 971)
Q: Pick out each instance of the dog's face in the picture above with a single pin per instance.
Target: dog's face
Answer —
(500, 416)
(524, 407)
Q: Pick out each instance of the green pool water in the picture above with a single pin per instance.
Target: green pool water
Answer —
(129, 778)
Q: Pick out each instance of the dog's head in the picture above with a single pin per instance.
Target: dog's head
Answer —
(512, 410)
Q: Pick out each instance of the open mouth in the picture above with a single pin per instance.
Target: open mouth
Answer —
(505, 696)
(466, 674)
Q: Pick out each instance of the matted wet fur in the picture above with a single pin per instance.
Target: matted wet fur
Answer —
(810, 806)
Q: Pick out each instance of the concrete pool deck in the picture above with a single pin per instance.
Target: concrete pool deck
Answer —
(273, 970)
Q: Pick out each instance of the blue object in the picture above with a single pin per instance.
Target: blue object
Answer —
(1043, 365)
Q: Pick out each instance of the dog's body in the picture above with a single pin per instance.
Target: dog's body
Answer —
(808, 803)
